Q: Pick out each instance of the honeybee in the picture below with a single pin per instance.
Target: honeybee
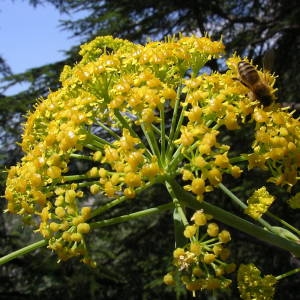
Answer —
(259, 88)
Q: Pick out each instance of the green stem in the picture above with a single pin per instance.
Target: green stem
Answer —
(235, 199)
(174, 116)
(132, 216)
(91, 147)
(97, 141)
(162, 133)
(22, 251)
(289, 273)
(177, 157)
(152, 141)
(109, 130)
(68, 178)
(158, 131)
(81, 156)
(175, 124)
(234, 221)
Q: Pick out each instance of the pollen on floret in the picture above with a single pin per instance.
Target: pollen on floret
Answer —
(196, 248)
(132, 179)
(190, 231)
(208, 258)
(150, 170)
(209, 139)
(111, 155)
(76, 237)
(187, 137)
(93, 172)
(109, 189)
(35, 179)
(217, 249)
(169, 93)
(212, 229)
(214, 176)
(222, 161)
(204, 148)
(198, 186)
(127, 142)
(236, 171)
(178, 252)
(129, 193)
(86, 212)
(168, 279)
(83, 228)
(199, 218)
(70, 196)
(148, 115)
(54, 172)
(187, 175)
(230, 121)
(94, 189)
(54, 226)
(194, 114)
(224, 236)
(102, 172)
(260, 116)
(45, 215)
(199, 162)
(60, 211)
(135, 158)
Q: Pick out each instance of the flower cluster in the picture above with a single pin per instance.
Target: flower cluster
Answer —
(133, 116)
(276, 146)
(259, 203)
(252, 286)
(107, 101)
(201, 263)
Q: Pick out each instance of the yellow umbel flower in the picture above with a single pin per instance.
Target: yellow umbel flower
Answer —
(130, 116)
(201, 263)
(259, 203)
(252, 286)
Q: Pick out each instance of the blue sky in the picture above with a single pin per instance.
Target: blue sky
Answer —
(31, 37)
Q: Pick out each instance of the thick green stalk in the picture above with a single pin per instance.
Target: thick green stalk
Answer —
(234, 221)
(179, 218)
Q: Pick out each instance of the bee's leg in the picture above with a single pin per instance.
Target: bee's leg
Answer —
(242, 82)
